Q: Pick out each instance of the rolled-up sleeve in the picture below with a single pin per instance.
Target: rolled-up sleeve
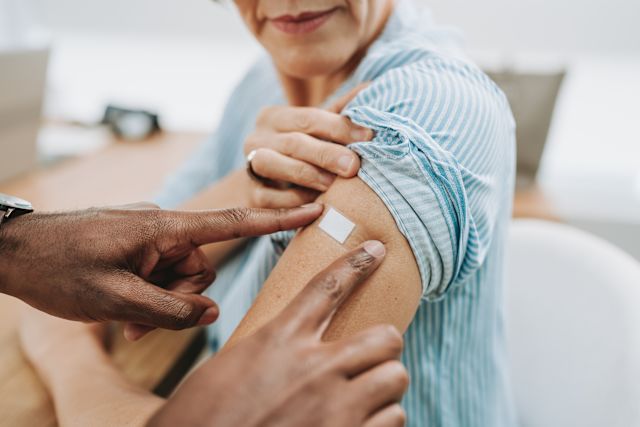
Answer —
(440, 159)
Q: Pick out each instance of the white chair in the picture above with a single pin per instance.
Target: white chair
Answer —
(573, 325)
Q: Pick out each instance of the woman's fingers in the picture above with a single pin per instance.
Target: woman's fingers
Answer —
(367, 349)
(333, 158)
(322, 124)
(389, 416)
(381, 386)
(304, 147)
(279, 167)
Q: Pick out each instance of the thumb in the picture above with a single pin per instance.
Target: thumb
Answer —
(342, 102)
(143, 303)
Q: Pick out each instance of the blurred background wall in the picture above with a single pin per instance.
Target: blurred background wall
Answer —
(172, 48)
(547, 25)
(181, 58)
(204, 43)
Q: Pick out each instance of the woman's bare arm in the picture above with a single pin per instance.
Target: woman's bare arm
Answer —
(391, 295)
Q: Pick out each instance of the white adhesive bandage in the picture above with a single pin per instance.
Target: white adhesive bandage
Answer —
(336, 225)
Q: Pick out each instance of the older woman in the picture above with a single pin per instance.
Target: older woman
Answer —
(370, 108)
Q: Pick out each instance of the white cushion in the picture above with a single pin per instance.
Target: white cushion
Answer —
(573, 327)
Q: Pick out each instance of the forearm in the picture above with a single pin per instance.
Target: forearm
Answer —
(88, 389)
(226, 193)
(106, 399)
(11, 235)
(5, 265)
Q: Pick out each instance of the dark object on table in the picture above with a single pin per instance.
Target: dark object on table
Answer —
(130, 124)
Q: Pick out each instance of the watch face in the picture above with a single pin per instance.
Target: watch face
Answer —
(14, 202)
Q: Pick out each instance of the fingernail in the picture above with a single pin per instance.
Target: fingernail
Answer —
(361, 134)
(374, 248)
(209, 316)
(311, 206)
(327, 179)
(132, 335)
(345, 163)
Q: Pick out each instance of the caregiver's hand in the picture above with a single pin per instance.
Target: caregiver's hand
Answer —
(285, 375)
(303, 148)
(135, 263)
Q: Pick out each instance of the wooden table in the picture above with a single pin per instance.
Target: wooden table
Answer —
(119, 174)
(532, 203)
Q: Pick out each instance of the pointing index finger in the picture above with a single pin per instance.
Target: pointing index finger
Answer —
(203, 227)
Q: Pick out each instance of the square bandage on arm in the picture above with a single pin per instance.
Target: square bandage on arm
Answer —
(336, 225)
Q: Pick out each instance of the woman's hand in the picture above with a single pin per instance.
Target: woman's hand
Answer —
(302, 149)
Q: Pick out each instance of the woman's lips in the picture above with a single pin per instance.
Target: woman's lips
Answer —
(304, 23)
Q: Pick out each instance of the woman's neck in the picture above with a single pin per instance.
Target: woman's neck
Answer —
(314, 91)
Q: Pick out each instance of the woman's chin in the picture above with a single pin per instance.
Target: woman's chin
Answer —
(308, 70)
(307, 65)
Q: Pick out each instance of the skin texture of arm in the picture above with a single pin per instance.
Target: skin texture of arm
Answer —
(221, 195)
(391, 295)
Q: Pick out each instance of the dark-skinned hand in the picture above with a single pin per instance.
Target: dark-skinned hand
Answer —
(285, 375)
(137, 264)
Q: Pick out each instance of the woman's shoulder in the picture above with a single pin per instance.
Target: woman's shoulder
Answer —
(432, 97)
(440, 97)
(414, 78)
(416, 65)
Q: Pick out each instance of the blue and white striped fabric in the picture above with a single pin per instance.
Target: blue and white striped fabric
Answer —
(442, 161)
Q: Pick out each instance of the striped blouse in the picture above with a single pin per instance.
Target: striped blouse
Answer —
(442, 161)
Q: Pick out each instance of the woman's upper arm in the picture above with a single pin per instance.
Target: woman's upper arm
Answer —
(391, 295)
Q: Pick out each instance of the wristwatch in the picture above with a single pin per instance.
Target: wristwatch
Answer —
(11, 207)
